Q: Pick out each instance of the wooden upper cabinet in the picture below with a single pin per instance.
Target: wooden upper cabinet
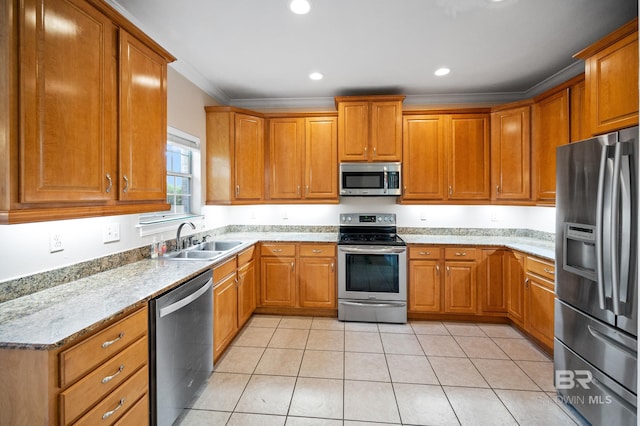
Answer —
(249, 157)
(468, 156)
(578, 120)
(303, 161)
(235, 156)
(369, 128)
(550, 130)
(321, 158)
(67, 103)
(510, 154)
(611, 75)
(143, 122)
(423, 168)
(286, 150)
(84, 114)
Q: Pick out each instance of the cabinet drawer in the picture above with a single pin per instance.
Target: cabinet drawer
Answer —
(224, 269)
(246, 255)
(137, 415)
(75, 400)
(540, 267)
(278, 250)
(85, 356)
(461, 253)
(317, 250)
(119, 401)
(424, 252)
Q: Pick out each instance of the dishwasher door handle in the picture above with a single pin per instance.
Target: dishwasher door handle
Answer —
(184, 302)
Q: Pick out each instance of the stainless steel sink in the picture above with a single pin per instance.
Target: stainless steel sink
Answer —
(218, 245)
(194, 255)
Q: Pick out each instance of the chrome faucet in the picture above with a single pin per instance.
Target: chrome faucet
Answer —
(179, 245)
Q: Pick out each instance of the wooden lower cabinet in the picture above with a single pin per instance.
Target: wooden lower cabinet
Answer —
(492, 282)
(102, 375)
(234, 298)
(514, 281)
(298, 276)
(437, 284)
(539, 299)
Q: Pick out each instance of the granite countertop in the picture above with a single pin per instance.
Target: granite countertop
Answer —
(53, 317)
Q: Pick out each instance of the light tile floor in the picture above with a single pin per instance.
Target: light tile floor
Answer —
(302, 371)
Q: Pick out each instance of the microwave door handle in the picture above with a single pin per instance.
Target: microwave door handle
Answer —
(386, 179)
(599, 227)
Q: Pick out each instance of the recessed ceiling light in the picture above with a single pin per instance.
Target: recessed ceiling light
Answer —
(442, 71)
(300, 7)
(316, 76)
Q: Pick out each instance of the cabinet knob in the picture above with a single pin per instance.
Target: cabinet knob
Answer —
(307, 189)
(126, 183)
(374, 151)
(448, 270)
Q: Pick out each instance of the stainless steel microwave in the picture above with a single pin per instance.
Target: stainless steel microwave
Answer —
(366, 179)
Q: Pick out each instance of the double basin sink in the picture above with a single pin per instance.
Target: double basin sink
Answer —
(209, 250)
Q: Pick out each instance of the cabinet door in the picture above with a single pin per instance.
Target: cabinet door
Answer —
(246, 292)
(578, 119)
(321, 158)
(225, 313)
(423, 168)
(510, 154)
(539, 309)
(143, 122)
(494, 296)
(468, 157)
(460, 287)
(277, 283)
(249, 157)
(514, 277)
(353, 131)
(386, 131)
(550, 130)
(286, 145)
(317, 282)
(612, 86)
(424, 286)
(67, 103)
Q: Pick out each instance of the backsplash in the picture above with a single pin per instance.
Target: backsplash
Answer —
(23, 286)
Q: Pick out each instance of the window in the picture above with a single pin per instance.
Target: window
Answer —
(183, 171)
(179, 178)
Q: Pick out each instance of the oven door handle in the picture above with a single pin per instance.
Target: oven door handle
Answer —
(373, 304)
(373, 250)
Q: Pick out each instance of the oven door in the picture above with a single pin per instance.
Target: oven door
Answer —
(372, 272)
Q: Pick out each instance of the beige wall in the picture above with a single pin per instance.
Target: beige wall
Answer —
(185, 105)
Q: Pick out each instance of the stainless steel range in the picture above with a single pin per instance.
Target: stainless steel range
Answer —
(372, 269)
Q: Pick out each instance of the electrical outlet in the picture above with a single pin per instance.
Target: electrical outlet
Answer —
(55, 242)
(111, 233)
(494, 216)
(423, 215)
(285, 215)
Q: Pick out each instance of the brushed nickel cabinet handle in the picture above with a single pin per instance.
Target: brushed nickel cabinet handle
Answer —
(110, 183)
(276, 250)
(110, 413)
(107, 379)
(374, 151)
(549, 271)
(108, 343)
(448, 270)
(292, 266)
(316, 251)
(298, 191)
(497, 189)
(461, 253)
(237, 190)
(307, 189)
(425, 253)
(526, 282)
(126, 183)
(332, 267)
(437, 269)
(450, 190)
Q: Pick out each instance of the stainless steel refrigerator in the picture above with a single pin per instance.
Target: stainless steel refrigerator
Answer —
(596, 307)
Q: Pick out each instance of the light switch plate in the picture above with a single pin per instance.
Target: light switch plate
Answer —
(55, 242)
(111, 233)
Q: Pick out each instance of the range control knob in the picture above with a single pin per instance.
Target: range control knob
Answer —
(348, 218)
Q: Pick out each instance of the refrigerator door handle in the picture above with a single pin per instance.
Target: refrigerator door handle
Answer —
(599, 227)
(615, 230)
(613, 340)
(621, 233)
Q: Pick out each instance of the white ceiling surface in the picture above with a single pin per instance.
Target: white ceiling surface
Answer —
(258, 54)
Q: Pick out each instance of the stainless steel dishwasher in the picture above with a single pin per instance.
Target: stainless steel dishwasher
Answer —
(181, 346)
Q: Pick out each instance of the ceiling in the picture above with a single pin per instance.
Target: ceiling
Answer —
(258, 54)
